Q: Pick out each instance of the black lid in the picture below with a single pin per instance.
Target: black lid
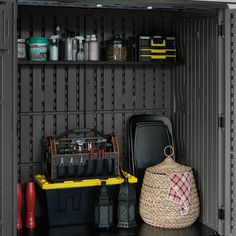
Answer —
(70, 34)
(116, 39)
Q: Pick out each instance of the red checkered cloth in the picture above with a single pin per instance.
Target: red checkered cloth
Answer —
(180, 187)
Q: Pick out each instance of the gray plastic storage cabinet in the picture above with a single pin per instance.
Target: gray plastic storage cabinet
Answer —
(197, 93)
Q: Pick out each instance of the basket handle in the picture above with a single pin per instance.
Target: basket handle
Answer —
(172, 151)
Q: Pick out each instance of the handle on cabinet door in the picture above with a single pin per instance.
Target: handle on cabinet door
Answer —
(2, 50)
(7, 27)
(3, 36)
(5, 24)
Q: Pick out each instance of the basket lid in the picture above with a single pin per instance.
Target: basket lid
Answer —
(169, 165)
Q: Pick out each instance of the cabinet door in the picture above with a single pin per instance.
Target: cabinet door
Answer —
(230, 123)
(7, 118)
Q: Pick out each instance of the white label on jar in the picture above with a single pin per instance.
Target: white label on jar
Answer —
(38, 49)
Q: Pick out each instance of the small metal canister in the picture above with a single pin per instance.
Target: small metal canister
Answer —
(21, 50)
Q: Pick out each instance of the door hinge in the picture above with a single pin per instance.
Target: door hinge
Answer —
(221, 121)
(3, 3)
(221, 214)
(221, 30)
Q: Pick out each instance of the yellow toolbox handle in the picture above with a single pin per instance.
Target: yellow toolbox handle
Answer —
(158, 44)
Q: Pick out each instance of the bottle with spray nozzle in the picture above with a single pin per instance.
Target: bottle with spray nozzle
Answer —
(80, 52)
(54, 44)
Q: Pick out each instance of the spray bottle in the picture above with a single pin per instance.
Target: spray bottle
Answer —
(80, 52)
(54, 44)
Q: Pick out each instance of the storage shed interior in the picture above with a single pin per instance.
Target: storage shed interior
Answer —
(54, 97)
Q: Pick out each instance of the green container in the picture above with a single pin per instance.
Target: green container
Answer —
(38, 47)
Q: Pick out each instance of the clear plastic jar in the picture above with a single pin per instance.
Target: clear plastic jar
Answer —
(116, 49)
(21, 49)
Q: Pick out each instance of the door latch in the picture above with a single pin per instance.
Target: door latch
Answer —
(221, 121)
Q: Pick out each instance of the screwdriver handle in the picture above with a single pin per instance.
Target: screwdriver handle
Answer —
(19, 202)
(30, 205)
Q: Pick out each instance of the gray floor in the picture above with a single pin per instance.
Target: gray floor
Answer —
(143, 229)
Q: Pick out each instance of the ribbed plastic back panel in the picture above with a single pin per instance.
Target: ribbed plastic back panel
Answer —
(196, 116)
(53, 98)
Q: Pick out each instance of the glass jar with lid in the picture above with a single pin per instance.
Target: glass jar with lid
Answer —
(116, 49)
(21, 49)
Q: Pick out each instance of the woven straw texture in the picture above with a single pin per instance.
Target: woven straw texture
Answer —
(154, 207)
(148, 230)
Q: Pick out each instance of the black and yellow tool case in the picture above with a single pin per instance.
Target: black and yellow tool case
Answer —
(72, 202)
(157, 47)
(79, 154)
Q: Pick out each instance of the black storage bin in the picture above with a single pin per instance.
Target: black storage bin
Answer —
(73, 205)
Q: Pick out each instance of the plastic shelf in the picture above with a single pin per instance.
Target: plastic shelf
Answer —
(100, 63)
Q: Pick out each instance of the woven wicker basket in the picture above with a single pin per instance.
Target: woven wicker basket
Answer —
(154, 207)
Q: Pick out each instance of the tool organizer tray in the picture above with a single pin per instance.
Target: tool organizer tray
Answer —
(81, 156)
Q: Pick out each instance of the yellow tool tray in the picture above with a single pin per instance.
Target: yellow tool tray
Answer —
(158, 50)
(46, 185)
(159, 56)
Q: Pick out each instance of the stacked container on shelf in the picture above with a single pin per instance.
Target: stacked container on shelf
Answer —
(80, 48)
(57, 47)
